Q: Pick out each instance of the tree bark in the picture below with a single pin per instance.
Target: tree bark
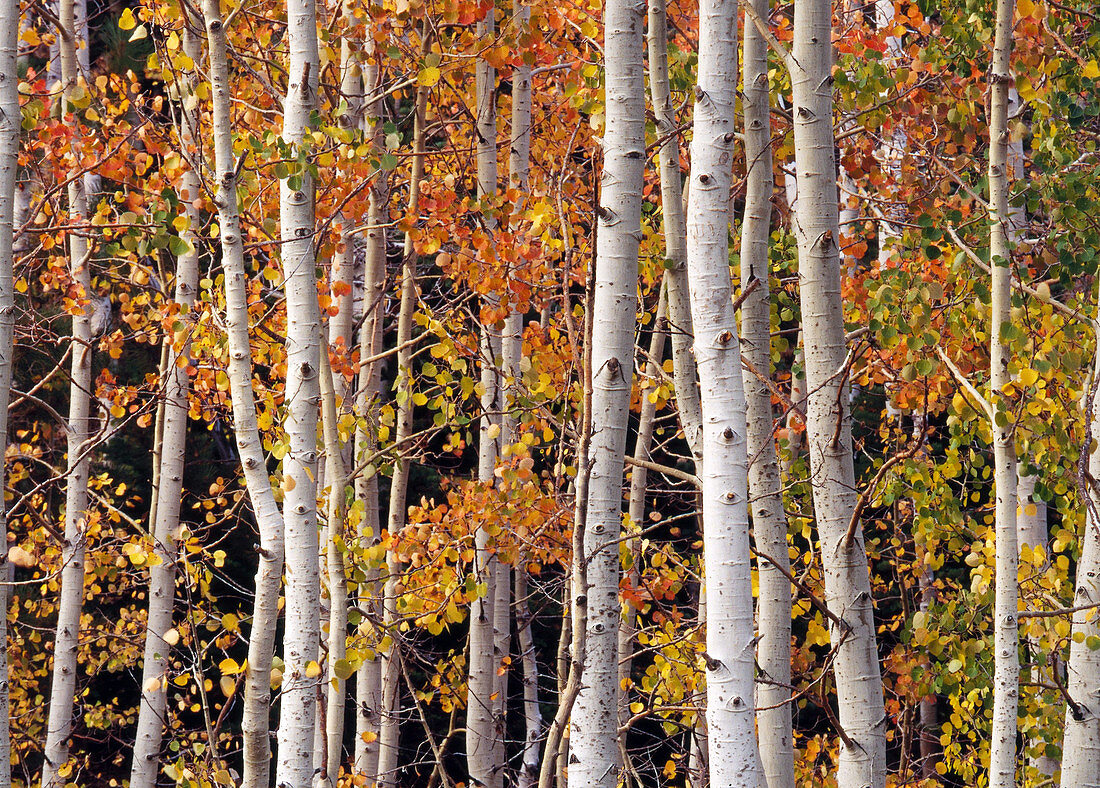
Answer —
(336, 478)
(255, 724)
(170, 453)
(10, 129)
(765, 487)
(1081, 739)
(519, 165)
(390, 727)
(847, 583)
(675, 229)
(1006, 674)
(59, 724)
(483, 751)
(368, 679)
(734, 758)
(594, 747)
(297, 707)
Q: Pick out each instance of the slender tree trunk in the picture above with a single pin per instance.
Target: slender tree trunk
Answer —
(255, 724)
(336, 479)
(894, 143)
(1031, 533)
(390, 727)
(639, 478)
(482, 750)
(10, 118)
(675, 229)
(847, 581)
(1081, 741)
(171, 451)
(297, 706)
(368, 679)
(519, 163)
(1006, 676)
(730, 641)
(481, 681)
(594, 746)
(59, 724)
(765, 487)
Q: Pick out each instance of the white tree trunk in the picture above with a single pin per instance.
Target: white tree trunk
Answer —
(336, 479)
(519, 164)
(171, 451)
(593, 740)
(894, 143)
(847, 582)
(1031, 533)
(297, 707)
(1006, 675)
(481, 681)
(639, 485)
(730, 655)
(390, 725)
(765, 487)
(10, 120)
(255, 724)
(484, 756)
(675, 229)
(368, 679)
(59, 723)
(1081, 741)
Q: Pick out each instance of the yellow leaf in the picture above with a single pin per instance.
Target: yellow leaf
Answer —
(313, 670)
(1091, 70)
(1028, 376)
(1025, 7)
(428, 76)
(139, 33)
(230, 622)
(171, 637)
(228, 685)
(229, 667)
(173, 42)
(127, 21)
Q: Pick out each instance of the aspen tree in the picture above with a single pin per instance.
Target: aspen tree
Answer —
(674, 227)
(519, 167)
(80, 437)
(483, 754)
(255, 724)
(390, 725)
(765, 488)
(847, 583)
(1081, 740)
(593, 741)
(1006, 675)
(368, 678)
(731, 737)
(336, 478)
(297, 708)
(171, 452)
(639, 484)
(9, 173)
